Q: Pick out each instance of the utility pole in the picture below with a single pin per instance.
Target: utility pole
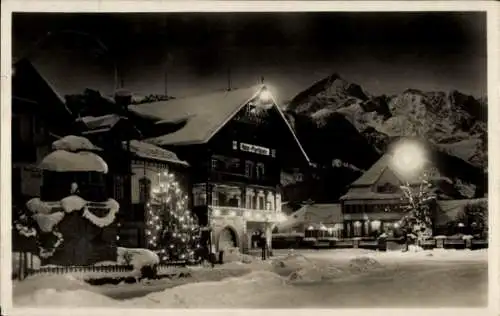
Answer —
(229, 78)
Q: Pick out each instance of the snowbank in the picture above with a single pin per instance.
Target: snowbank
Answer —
(363, 263)
(32, 284)
(74, 143)
(137, 257)
(231, 292)
(65, 161)
(291, 263)
(75, 298)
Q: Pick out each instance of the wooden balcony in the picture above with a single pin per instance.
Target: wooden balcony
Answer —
(251, 215)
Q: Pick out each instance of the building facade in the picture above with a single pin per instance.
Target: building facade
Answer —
(237, 143)
(38, 116)
(373, 202)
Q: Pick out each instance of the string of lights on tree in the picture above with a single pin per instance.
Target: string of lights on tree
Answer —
(171, 230)
(417, 208)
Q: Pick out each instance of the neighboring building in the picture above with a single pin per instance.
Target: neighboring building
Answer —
(146, 164)
(237, 143)
(451, 215)
(315, 217)
(372, 203)
(39, 114)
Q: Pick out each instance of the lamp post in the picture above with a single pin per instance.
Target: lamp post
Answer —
(51, 34)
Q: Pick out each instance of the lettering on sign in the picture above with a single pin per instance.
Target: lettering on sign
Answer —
(255, 149)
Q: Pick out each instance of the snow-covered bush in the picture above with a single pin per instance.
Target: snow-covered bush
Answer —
(138, 258)
(415, 248)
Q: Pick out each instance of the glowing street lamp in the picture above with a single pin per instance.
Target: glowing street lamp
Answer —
(409, 158)
(265, 96)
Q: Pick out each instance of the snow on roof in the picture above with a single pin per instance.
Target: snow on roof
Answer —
(150, 151)
(65, 161)
(205, 114)
(356, 195)
(450, 210)
(314, 213)
(371, 176)
(74, 143)
(101, 122)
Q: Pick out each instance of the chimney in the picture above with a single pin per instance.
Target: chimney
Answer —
(123, 98)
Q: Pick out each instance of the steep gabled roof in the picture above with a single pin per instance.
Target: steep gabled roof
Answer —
(313, 214)
(150, 151)
(204, 114)
(450, 210)
(25, 65)
(371, 175)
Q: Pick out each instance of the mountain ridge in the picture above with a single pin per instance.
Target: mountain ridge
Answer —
(348, 123)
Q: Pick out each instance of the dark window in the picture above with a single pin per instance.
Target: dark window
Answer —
(118, 188)
(261, 203)
(386, 188)
(233, 165)
(144, 190)
(260, 170)
(249, 169)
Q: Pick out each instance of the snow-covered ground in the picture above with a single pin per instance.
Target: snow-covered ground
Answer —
(306, 278)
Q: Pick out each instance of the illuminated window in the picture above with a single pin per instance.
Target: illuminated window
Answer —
(358, 229)
(215, 164)
(215, 198)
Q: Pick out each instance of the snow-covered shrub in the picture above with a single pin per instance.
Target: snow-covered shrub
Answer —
(138, 258)
(415, 248)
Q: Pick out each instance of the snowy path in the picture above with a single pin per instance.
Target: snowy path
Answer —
(327, 279)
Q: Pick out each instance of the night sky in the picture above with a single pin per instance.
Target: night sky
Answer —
(383, 52)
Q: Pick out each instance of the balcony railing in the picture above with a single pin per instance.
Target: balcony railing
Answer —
(248, 214)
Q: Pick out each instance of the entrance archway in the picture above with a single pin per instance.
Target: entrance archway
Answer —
(227, 239)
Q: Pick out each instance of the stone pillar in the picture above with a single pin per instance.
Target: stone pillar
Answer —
(269, 237)
(244, 238)
(260, 195)
(271, 200)
(278, 202)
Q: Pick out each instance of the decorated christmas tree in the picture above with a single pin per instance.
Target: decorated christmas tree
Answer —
(172, 230)
(417, 207)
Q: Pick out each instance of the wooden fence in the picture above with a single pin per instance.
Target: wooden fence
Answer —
(284, 242)
(27, 268)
